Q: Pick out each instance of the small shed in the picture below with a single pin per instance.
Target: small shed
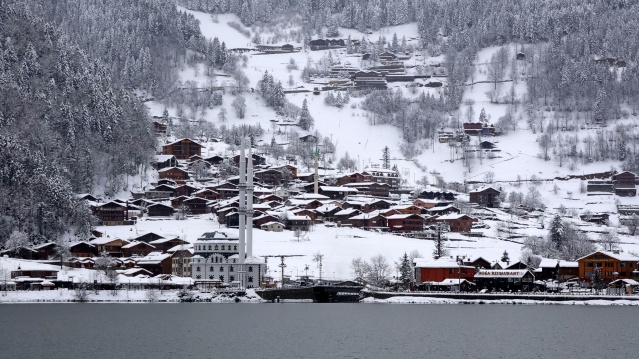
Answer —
(622, 286)
(272, 227)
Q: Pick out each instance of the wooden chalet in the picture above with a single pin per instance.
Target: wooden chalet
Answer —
(111, 213)
(262, 219)
(440, 269)
(370, 188)
(337, 192)
(289, 167)
(369, 220)
(164, 244)
(407, 209)
(270, 176)
(355, 177)
(442, 210)
(112, 246)
(302, 223)
(207, 194)
(83, 249)
(156, 263)
(196, 205)
(159, 210)
(185, 190)
(46, 250)
(461, 223)
(182, 149)
(613, 265)
(257, 159)
(405, 223)
(381, 175)
(625, 184)
(272, 226)
(214, 160)
(487, 197)
(159, 128)
(135, 248)
(174, 173)
(163, 161)
(344, 215)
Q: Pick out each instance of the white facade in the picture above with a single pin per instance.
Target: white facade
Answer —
(216, 261)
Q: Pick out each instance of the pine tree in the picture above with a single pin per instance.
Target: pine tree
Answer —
(405, 271)
(556, 232)
(306, 120)
(395, 42)
(386, 158)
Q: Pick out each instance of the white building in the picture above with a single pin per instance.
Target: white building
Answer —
(215, 262)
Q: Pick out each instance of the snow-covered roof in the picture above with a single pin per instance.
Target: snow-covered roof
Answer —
(452, 216)
(163, 158)
(338, 189)
(437, 263)
(170, 168)
(311, 196)
(627, 281)
(618, 256)
(271, 223)
(181, 247)
(346, 211)
(401, 216)
(180, 140)
(105, 240)
(135, 243)
(298, 218)
(481, 189)
(153, 258)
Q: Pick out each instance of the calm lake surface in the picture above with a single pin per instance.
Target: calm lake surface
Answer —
(304, 330)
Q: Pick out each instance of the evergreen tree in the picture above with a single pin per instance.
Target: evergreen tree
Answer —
(405, 271)
(386, 158)
(305, 120)
(482, 116)
(556, 232)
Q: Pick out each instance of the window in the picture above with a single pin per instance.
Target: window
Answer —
(234, 248)
(211, 277)
(589, 264)
(197, 269)
(215, 259)
(221, 269)
(250, 268)
(250, 279)
(621, 265)
(221, 278)
(209, 247)
(232, 278)
(216, 247)
(212, 269)
(231, 269)
(222, 248)
(198, 277)
(233, 260)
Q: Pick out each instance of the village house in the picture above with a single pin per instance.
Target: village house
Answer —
(487, 197)
(271, 177)
(335, 192)
(164, 244)
(112, 246)
(478, 128)
(164, 161)
(507, 280)
(263, 219)
(111, 213)
(181, 260)
(139, 249)
(185, 190)
(354, 177)
(405, 223)
(625, 184)
(440, 211)
(370, 188)
(310, 213)
(82, 249)
(159, 210)
(156, 263)
(196, 205)
(214, 160)
(327, 212)
(407, 209)
(174, 173)
(45, 250)
(257, 159)
(343, 215)
(207, 194)
(147, 237)
(159, 128)
(457, 222)
(438, 270)
(612, 264)
(302, 223)
(369, 220)
(388, 176)
(272, 226)
(182, 149)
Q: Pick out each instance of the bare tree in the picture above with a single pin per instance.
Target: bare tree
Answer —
(440, 249)
(379, 271)
(609, 240)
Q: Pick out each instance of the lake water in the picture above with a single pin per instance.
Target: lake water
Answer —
(299, 330)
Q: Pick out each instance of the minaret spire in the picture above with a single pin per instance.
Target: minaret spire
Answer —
(242, 199)
(249, 204)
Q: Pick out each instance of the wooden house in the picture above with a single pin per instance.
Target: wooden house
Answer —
(163, 161)
(272, 226)
(370, 188)
(368, 220)
(185, 190)
(507, 280)
(164, 244)
(405, 223)
(302, 223)
(344, 215)
(440, 269)
(156, 263)
(337, 192)
(136, 248)
(207, 194)
(111, 213)
(112, 246)
(487, 197)
(196, 205)
(624, 183)
(83, 249)
(609, 262)
(214, 160)
(159, 128)
(174, 173)
(159, 210)
(182, 149)
(269, 176)
(457, 222)
(46, 250)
